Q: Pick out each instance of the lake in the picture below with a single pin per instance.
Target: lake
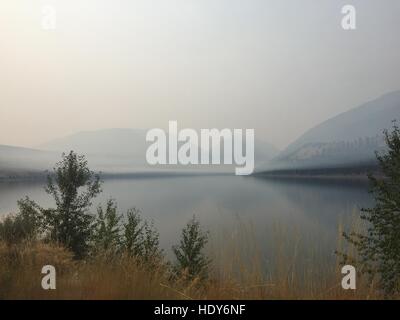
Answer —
(309, 208)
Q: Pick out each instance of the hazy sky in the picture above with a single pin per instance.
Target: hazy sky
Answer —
(278, 66)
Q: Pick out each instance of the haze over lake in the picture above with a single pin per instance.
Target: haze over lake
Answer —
(313, 208)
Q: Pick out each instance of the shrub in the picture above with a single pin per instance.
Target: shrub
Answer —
(133, 233)
(107, 233)
(189, 253)
(25, 225)
(141, 239)
(151, 242)
(379, 247)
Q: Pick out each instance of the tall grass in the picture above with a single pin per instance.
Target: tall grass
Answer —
(295, 268)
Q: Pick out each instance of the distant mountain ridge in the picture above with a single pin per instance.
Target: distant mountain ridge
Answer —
(349, 138)
(124, 150)
(22, 163)
(112, 151)
(108, 150)
(116, 141)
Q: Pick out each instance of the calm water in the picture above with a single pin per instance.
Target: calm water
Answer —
(312, 207)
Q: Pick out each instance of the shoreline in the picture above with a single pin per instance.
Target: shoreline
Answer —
(359, 173)
(335, 173)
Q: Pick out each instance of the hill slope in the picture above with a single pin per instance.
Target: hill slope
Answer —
(19, 162)
(124, 150)
(351, 138)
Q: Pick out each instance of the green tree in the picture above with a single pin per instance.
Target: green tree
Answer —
(379, 246)
(151, 251)
(133, 233)
(107, 234)
(73, 186)
(25, 225)
(141, 239)
(191, 260)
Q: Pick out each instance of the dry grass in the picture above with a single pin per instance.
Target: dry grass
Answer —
(239, 272)
(298, 266)
(98, 278)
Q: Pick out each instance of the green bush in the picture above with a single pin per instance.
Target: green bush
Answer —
(25, 225)
(133, 233)
(191, 260)
(141, 239)
(107, 229)
(379, 247)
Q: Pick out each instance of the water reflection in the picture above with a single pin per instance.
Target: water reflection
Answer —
(313, 207)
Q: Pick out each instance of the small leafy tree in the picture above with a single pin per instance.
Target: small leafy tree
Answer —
(107, 234)
(379, 247)
(133, 233)
(73, 187)
(151, 251)
(141, 239)
(25, 225)
(191, 260)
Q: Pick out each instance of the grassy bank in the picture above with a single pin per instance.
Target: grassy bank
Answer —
(238, 272)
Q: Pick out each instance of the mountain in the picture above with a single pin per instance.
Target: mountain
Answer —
(351, 138)
(19, 162)
(264, 151)
(109, 150)
(124, 150)
(102, 142)
(25, 158)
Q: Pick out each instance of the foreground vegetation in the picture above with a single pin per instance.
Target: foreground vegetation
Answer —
(83, 243)
(378, 247)
(109, 255)
(238, 271)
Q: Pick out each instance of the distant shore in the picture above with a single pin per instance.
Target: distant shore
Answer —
(337, 173)
(22, 175)
(26, 175)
